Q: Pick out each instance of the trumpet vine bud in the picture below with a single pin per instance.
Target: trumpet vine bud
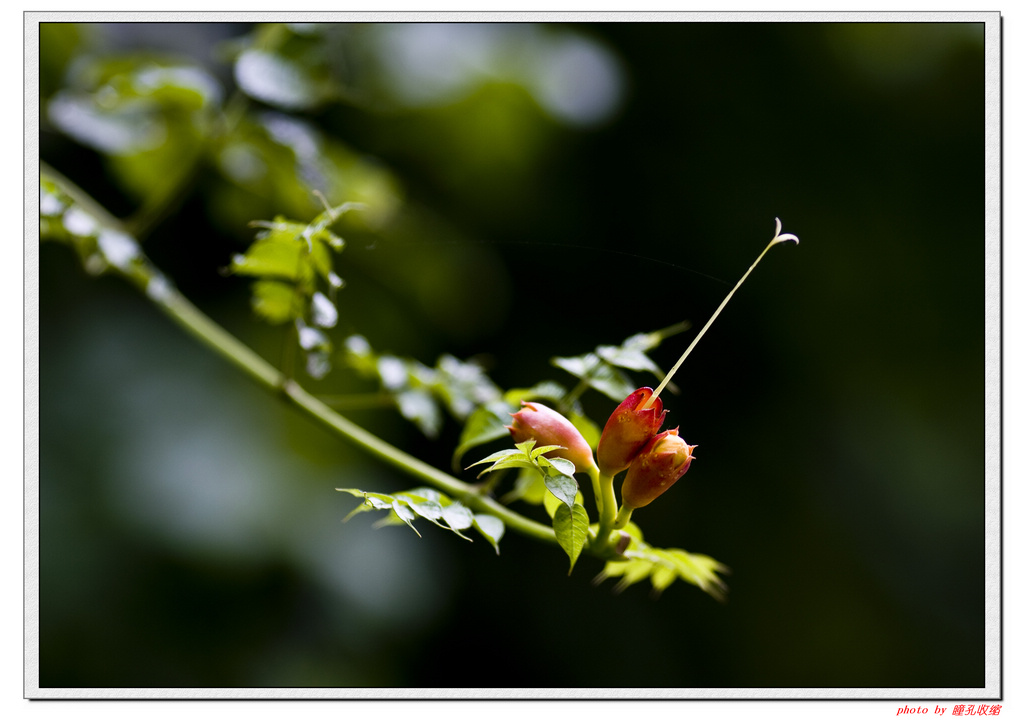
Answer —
(629, 427)
(551, 428)
(660, 463)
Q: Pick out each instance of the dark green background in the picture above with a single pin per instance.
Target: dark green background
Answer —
(190, 534)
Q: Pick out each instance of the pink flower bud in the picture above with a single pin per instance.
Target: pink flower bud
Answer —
(660, 463)
(551, 428)
(627, 430)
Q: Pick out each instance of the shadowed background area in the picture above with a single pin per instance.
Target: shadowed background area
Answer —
(532, 191)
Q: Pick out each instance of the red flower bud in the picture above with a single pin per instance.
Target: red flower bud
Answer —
(660, 463)
(627, 430)
(551, 428)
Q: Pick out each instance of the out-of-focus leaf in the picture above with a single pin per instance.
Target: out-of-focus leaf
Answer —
(150, 116)
(278, 80)
(275, 301)
(598, 374)
(324, 313)
(418, 406)
(529, 487)
(273, 257)
(587, 428)
(548, 390)
(485, 424)
(463, 386)
(663, 567)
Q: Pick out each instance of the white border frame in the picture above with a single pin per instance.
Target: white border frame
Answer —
(993, 369)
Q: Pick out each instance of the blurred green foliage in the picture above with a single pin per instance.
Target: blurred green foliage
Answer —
(531, 191)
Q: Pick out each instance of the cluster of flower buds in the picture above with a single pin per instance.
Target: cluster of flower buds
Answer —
(631, 440)
(550, 428)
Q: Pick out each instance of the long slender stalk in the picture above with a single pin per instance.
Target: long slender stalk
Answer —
(668, 377)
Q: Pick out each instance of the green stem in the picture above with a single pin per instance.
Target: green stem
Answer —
(595, 479)
(623, 516)
(359, 401)
(668, 377)
(608, 506)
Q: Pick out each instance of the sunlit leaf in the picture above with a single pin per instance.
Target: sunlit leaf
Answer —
(562, 487)
(571, 525)
(405, 513)
(490, 527)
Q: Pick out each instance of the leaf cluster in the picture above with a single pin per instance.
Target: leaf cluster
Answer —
(569, 518)
(420, 392)
(294, 266)
(406, 506)
(663, 566)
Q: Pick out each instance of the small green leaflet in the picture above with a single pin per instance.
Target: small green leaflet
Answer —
(490, 527)
(558, 478)
(432, 505)
(571, 525)
(287, 258)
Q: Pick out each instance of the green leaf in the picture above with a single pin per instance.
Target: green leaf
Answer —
(464, 386)
(571, 525)
(552, 502)
(562, 465)
(405, 513)
(526, 446)
(587, 428)
(485, 424)
(548, 390)
(498, 456)
(274, 256)
(610, 381)
(431, 510)
(663, 567)
(598, 374)
(562, 487)
(529, 487)
(418, 406)
(457, 516)
(536, 453)
(275, 301)
(278, 80)
(490, 527)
